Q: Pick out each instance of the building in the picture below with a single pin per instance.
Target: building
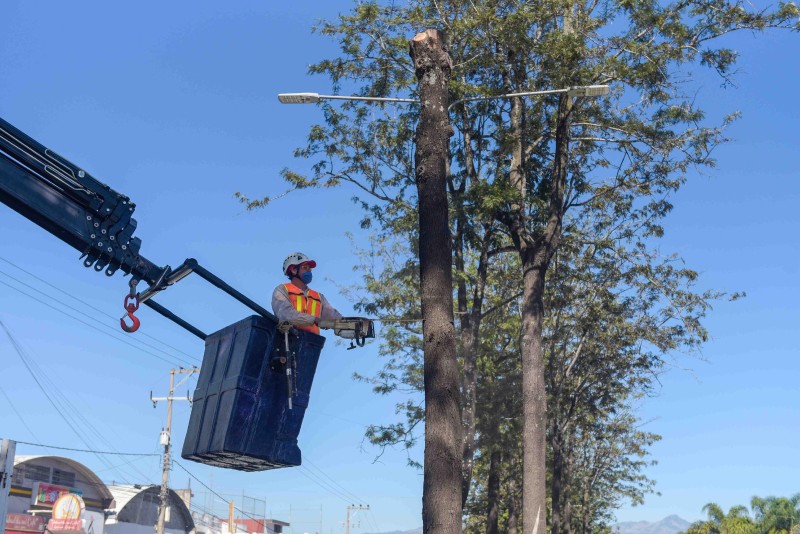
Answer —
(135, 511)
(38, 481)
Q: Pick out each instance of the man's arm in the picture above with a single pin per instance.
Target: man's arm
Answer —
(329, 313)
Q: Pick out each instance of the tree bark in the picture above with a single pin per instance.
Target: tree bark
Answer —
(441, 492)
(469, 320)
(535, 255)
(513, 506)
(493, 494)
(556, 479)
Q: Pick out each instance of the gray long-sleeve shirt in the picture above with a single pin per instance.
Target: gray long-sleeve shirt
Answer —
(283, 308)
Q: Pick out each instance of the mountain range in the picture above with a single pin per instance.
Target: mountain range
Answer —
(669, 525)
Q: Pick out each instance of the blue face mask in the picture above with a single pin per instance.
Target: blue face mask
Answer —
(306, 278)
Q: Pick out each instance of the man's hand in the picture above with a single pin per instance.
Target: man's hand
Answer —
(326, 325)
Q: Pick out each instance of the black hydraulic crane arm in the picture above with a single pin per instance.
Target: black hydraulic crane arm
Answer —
(87, 214)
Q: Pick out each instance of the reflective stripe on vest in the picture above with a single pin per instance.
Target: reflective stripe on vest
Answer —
(310, 304)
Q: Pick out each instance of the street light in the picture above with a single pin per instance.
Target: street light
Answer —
(313, 98)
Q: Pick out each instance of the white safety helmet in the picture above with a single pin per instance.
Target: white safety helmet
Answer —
(296, 258)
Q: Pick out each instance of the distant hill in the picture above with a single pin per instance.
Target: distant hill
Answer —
(669, 525)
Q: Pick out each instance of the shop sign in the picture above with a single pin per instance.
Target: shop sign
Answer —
(68, 506)
(25, 522)
(67, 514)
(45, 494)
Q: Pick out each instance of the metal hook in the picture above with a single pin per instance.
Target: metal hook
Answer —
(130, 307)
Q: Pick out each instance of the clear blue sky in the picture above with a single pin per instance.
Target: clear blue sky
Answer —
(175, 106)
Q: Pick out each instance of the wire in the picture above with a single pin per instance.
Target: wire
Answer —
(214, 492)
(324, 485)
(342, 488)
(92, 326)
(22, 419)
(87, 304)
(84, 314)
(63, 405)
(111, 453)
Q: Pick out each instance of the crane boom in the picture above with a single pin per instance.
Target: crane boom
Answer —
(71, 204)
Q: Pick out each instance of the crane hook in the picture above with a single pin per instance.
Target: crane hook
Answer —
(130, 307)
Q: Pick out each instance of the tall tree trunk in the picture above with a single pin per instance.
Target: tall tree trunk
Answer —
(493, 493)
(566, 497)
(535, 254)
(585, 511)
(556, 478)
(470, 319)
(441, 490)
(513, 504)
(534, 400)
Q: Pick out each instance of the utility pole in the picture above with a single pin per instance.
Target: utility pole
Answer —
(7, 450)
(351, 508)
(166, 441)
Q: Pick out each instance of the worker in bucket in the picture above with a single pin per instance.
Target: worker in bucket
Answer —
(295, 303)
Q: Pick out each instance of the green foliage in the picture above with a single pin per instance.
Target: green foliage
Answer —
(770, 515)
(597, 174)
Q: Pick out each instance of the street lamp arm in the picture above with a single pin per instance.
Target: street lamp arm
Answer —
(313, 98)
(509, 95)
(583, 90)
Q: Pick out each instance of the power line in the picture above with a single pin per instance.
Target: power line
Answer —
(110, 453)
(63, 405)
(220, 497)
(324, 485)
(92, 326)
(355, 498)
(22, 419)
(32, 275)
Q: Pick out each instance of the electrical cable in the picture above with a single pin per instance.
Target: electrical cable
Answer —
(22, 419)
(65, 406)
(355, 498)
(324, 485)
(111, 453)
(89, 305)
(92, 326)
(212, 491)
(89, 316)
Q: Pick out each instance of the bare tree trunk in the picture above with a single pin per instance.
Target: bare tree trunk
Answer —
(441, 491)
(567, 487)
(556, 479)
(534, 399)
(513, 506)
(535, 254)
(470, 319)
(493, 493)
(585, 511)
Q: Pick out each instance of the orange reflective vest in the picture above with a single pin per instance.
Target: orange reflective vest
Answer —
(310, 304)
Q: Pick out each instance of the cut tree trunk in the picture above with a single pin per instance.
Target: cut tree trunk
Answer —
(441, 490)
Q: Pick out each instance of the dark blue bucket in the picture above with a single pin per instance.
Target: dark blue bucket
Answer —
(240, 411)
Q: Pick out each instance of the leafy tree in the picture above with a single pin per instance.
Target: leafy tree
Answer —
(776, 515)
(535, 166)
(736, 521)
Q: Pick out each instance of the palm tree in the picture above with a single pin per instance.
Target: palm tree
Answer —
(776, 515)
(736, 521)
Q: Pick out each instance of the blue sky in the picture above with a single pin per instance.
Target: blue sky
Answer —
(176, 107)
